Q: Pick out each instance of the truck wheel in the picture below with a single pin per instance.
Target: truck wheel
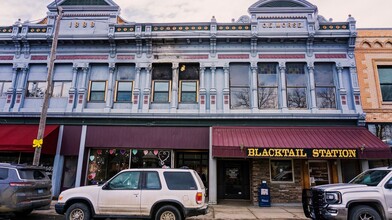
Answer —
(364, 212)
(168, 212)
(78, 211)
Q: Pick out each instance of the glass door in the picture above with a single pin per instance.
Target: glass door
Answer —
(234, 180)
(319, 173)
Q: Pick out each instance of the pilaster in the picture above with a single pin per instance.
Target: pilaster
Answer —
(283, 96)
(202, 91)
(312, 87)
(213, 91)
(136, 91)
(226, 90)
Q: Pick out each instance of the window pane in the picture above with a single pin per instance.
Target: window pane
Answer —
(189, 71)
(296, 79)
(36, 89)
(386, 91)
(295, 68)
(162, 71)
(267, 68)
(98, 86)
(161, 97)
(239, 75)
(152, 180)
(189, 97)
(385, 74)
(268, 80)
(326, 97)
(187, 182)
(57, 89)
(125, 181)
(124, 96)
(296, 98)
(323, 75)
(6, 86)
(239, 98)
(282, 170)
(189, 86)
(124, 86)
(97, 96)
(161, 86)
(66, 88)
(268, 98)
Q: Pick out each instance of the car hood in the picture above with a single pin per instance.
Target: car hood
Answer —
(340, 187)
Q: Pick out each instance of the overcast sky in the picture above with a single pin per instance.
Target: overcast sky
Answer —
(368, 13)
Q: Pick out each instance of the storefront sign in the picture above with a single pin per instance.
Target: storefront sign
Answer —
(302, 153)
(282, 25)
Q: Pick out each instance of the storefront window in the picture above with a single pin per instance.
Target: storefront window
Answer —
(282, 171)
(69, 176)
(46, 161)
(150, 158)
(105, 163)
(318, 172)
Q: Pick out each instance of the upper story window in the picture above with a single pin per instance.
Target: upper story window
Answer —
(296, 83)
(325, 86)
(97, 91)
(4, 86)
(239, 86)
(35, 89)
(189, 82)
(61, 89)
(267, 85)
(161, 81)
(385, 76)
(124, 91)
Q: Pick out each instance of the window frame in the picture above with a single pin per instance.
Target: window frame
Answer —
(306, 87)
(187, 92)
(27, 90)
(380, 66)
(117, 90)
(259, 87)
(240, 86)
(292, 171)
(154, 92)
(324, 86)
(62, 95)
(90, 90)
(2, 92)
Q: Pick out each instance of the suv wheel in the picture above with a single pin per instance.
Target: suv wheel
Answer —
(364, 212)
(168, 212)
(78, 211)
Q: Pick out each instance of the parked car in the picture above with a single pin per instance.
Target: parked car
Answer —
(367, 196)
(138, 193)
(23, 188)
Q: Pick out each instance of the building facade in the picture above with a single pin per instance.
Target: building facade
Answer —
(374, 62)
(272, 96)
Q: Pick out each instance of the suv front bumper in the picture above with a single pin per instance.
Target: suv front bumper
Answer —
(196, 211)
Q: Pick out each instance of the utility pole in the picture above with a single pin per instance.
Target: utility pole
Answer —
(48, 93)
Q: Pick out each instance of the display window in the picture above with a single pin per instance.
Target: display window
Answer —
(319, 173)
(281, 171)
(103, 164)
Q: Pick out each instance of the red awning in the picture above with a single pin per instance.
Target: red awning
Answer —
(20, 138)
(234, 141)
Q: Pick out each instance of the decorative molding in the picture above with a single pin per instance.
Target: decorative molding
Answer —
(4, 30)
(125, 57)
(234, 27)
(6, 57)
(82, 57)
(282, 56)
(39, 57)
(195, 57)
(182, 28)
(125, 29)
(233, 56)
(333, 27)
(331, 56)
(37, 30)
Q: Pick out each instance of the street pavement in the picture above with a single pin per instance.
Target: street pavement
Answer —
(223, 211)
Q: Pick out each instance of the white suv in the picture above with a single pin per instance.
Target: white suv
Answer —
(138, 193)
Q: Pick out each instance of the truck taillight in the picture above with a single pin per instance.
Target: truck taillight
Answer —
(199, 197)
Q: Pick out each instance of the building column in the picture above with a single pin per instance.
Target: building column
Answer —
(136, 91)
(212, 175)
(174, 96)
(312, 87)
(356, 91)
(283, 96)
(254, 97)
(82, 146)
(202, 91)
(73, 90)
(226, 89)
(110, 93)
(342, 90)
(21, 90)
(82, 95)
(11, 91)
(147, 90)
(213, 91)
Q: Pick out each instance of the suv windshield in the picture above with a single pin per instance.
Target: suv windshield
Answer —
(32, 174)
(370, 177)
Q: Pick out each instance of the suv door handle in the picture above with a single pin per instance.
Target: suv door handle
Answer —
(136, 194)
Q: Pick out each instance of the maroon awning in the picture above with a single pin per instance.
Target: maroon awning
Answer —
(20, 138)
(235, 141)
(195, 138)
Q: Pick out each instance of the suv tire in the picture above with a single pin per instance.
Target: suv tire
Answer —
(168, 212)
(78, 211)
(364, 212)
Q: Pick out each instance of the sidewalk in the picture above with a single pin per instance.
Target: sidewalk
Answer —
(226, 212)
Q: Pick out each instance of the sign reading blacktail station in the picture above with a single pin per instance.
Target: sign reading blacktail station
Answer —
(302, 153)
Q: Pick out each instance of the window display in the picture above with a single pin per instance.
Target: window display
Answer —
(282, 170)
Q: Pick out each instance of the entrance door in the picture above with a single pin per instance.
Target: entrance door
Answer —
(233, 180)
(319, 173)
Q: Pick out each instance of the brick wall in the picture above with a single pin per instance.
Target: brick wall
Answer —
(280, 192)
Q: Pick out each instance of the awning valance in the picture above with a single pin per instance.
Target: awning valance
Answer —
(298, 142)
(20, 138)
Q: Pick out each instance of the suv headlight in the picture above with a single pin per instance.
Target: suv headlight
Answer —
(333, 197)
